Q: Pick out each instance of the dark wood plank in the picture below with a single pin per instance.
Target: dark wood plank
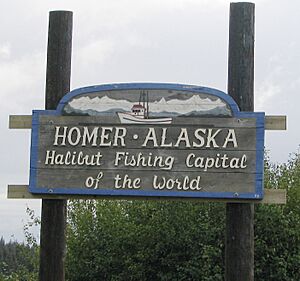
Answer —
(244, 129)
(157, 160)
(148, 181)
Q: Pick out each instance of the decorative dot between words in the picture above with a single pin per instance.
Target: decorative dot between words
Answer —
(135, 136)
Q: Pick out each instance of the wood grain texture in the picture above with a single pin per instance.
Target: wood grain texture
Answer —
(241, 55)
(276, 122)
(238, 183)
(239, 244)
(187, 162)
(272, 122)
(272, 196)
(20, 122)
(53, 218)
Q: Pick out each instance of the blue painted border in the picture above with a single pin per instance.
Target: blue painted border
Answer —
(260, 123)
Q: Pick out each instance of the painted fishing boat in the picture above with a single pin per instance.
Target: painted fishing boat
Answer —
(140, 113)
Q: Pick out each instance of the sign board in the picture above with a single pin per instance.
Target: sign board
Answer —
(148, 140)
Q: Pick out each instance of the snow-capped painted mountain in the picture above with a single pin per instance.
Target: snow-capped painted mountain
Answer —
(194, 104)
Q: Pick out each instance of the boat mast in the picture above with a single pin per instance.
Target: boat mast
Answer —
(143, 93)
(144, 101)
(147, 104)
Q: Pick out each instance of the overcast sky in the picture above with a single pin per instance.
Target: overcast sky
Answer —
(180, 41)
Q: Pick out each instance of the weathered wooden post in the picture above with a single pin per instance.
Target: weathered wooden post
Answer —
(53, 219)
(239, 253)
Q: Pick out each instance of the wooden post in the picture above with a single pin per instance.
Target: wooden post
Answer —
(53, 218)
(239, 247)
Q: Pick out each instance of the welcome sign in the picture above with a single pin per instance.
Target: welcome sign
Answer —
(148, 140)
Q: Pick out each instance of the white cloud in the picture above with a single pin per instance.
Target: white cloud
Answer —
(5, 51)
(269, 87)
(94, 53)
(266, 92)
(23, 81)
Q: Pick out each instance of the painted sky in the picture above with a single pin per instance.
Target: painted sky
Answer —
(175, 41)
(97, 105)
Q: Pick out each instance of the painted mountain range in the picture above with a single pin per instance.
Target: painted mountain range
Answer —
(193, 106)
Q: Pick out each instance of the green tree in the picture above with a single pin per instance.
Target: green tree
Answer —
(277, 227)
(19, 261)
(144, 240)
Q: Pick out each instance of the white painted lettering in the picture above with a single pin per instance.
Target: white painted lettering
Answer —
(183, 137)
(87, 136)
(151, 136)
(230, 138)
(163, 139)
(50, 156)
(120, 135)
(74, 131)
(59, 135)
(104, 137)
(199, 138)
(243, 161)
(211, 138)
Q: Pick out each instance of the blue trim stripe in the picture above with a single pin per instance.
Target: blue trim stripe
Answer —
(34, 150)
(260, 140)
(140, 193)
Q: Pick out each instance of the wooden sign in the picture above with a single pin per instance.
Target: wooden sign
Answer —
(148, 140)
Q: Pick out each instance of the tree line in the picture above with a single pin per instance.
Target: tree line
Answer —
(18, 261)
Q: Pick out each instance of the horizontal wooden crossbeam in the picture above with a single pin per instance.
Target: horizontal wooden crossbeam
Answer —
(275, 122)
(272, 196)
(20, 121)
(272, 122)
